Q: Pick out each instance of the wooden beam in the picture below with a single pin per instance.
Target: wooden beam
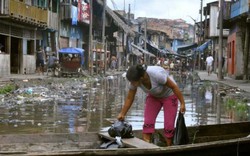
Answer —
(131, 142)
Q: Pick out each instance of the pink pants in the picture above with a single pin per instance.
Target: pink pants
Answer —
(152, 109)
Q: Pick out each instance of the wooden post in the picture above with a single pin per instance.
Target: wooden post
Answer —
(90, 38)
(145, 43)
(200, 37)
(220, 76)
(246, 53)
(103, 35)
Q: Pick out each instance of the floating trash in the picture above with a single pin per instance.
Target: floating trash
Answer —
(29, 91)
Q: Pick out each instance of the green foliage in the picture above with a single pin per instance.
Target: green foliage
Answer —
(238, 106)
(241, 106)
(7, 88)
(230, 103)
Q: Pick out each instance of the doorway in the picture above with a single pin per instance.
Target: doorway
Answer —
(15, 55)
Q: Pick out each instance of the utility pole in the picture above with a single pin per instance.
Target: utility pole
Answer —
(220, 76)
(194, 31)
(103, 36)
(194, 28)
(194, 60)
(123, 39)
(90, 38)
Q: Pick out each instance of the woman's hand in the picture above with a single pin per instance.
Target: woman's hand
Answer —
(183, 108)
(121, 117)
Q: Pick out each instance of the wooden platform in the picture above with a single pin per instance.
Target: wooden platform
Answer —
(131, 142)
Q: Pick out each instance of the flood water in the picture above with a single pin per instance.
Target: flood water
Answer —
(93, 107)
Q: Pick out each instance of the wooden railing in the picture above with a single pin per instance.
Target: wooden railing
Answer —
(65, 11)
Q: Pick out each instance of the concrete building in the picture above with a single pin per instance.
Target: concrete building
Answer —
(25, 25)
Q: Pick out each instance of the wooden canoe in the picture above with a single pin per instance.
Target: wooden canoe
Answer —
(216, 140)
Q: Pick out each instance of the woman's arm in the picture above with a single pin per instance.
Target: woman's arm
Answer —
(178, 93)
(128, 103)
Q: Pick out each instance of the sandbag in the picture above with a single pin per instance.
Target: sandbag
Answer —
(122, 129)
(181, 134)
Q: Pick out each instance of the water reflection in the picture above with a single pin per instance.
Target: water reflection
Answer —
(92, 108)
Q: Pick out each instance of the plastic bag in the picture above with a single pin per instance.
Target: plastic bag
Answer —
(122, 129)
(181, 134)
(158, 139)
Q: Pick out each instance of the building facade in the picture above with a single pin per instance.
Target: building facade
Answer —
(26, 25)
(238, 40)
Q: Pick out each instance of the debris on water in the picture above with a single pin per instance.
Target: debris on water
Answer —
(111, 77)
(29, 91)
(124, 75)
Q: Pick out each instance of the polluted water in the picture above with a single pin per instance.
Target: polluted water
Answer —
(76, 105)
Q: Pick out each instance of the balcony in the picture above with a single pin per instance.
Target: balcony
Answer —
(28, 14)
(239, 8)
(52, 20)
(66, 10)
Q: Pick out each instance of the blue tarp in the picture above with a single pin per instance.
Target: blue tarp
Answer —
(203, 46)
(186, 47)
(71, 50)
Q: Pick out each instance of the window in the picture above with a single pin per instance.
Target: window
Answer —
(229, 50)
(30, 49)
(3, 41)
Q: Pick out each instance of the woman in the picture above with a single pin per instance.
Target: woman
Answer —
(162, 92)
(40, 57)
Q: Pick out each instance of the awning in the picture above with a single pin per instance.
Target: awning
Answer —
(142, 50)
(136, 52)
(186, 47)
(203, 46)
(176, 54)
(153, 48)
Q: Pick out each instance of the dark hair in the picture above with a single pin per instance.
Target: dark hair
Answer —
(135, 72)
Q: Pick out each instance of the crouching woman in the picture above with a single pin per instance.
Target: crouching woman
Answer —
(162, 91)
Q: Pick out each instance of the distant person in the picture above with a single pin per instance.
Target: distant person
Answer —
(162, 92)
(141, 60)
(172, 66)
(166, 66)
(209, 63)
(40, 57)
(113, 64)
(52, 62)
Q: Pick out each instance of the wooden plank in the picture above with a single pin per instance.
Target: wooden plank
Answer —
(131, 142)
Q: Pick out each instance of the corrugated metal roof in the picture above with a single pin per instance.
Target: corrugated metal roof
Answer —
(142, 50)
(119, 21)
(136, 52)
